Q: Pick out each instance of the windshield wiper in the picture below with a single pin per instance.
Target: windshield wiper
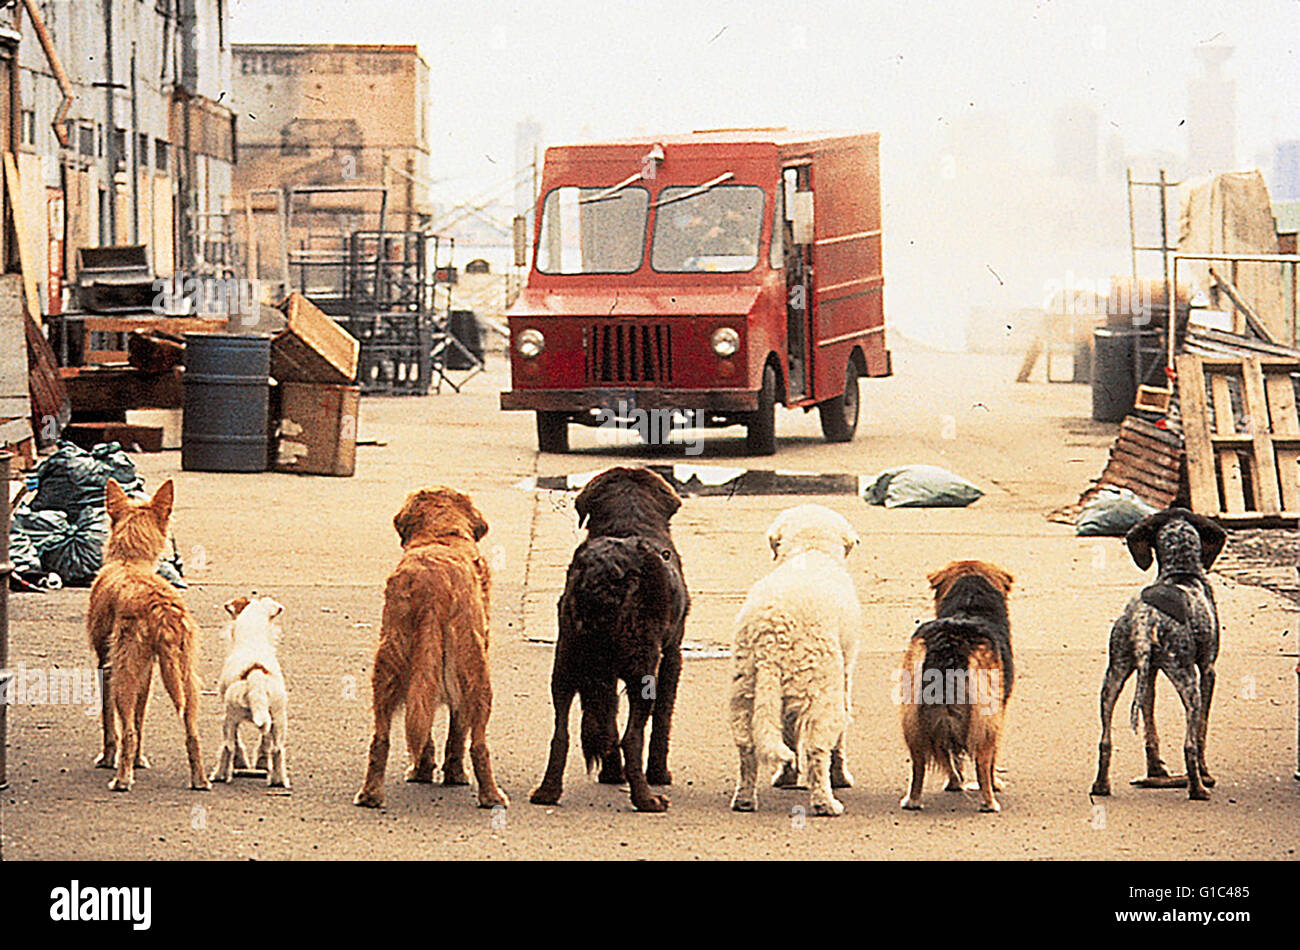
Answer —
(611, 191)
(697, 190)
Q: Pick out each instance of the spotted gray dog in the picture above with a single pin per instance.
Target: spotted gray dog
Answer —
(1171, 626)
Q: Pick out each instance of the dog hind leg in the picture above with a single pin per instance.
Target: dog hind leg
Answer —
(489, 793)
(549, 791)
(670, 668)
(177, 670)
(1155, 766)
(140, 761)
(419, 741)
(277, 776)
(1117, 674)
(634, 749)
(1207, 694)
(599, 730)
(1189, 692)
(107, 758)
(230, 739)
(388, 689)
(453, 759)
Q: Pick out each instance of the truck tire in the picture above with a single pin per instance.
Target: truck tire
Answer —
(552, 432)
(760, 433)
(839, 415)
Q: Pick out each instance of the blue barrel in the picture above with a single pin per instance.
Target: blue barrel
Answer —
(227, 397)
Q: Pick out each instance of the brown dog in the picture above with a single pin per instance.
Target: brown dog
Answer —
(956, 679)
(135, 618)
(433, 647)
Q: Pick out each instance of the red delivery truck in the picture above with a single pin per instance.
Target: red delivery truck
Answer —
(711, 275)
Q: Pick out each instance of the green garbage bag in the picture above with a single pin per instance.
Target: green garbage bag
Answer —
(920, 486)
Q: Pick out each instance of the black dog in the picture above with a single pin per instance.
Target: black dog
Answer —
(1171, 626)
(622, 616)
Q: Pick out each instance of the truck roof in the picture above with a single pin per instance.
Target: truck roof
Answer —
(774, 136)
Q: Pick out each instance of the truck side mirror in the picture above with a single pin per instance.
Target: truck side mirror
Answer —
(801, 217)
(520, 234)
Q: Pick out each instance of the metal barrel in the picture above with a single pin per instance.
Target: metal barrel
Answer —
(1114, 384)
(463, 327)
(225, 427)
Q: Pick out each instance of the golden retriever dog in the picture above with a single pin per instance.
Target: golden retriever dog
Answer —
(433, 646)
(956, 679)
(135, 619)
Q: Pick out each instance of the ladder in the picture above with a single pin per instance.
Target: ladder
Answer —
(1154, 398)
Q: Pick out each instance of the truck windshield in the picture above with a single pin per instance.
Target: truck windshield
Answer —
(597, 230)
(715, 230)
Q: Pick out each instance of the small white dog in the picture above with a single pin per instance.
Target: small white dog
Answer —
(796, 643)
(253, 687)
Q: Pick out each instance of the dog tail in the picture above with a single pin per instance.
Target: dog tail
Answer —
(259, 700)
(1144, 683)
(765, 722)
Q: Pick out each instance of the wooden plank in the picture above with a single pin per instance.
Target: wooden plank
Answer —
(24, 237)
(1139, 426)
(1281, 404)
(1288, 477)
(1234, 498)
(1196, 434)
(1160, 450)
(1268, 499)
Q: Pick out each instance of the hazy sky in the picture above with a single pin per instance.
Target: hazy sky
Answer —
(909, 70)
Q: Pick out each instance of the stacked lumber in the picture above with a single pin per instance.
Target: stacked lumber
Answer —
(1145, 459)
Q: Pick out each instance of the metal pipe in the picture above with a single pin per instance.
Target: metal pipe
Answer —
(60, 123)
(6, 568)
(135, 158)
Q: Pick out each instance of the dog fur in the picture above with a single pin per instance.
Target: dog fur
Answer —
(1172, 626)
(795, 646)
(433, 646)
(966, 649)
(136, 619)
(252, 686)
(621, 617)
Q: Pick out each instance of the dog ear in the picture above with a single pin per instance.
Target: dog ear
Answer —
(115, 500)
(1001, 579)
(235, 606)
(273, 607)
(1213, 538)
(477, 523)
(669, 500)
(404, 522)
(1141, 536)
(161, 503)
(582, 504)
(851, 541)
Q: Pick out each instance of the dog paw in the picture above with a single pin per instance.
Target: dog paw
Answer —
(1100, 789)
(421, 776)
(1207, 780)
(200, 785)
(654, 803)
(545, 796)
(831, 808)
(219, 776)
(910, 804)
(1198, 794)
(494, 799)
(119, 785)
(369, 799)
(141, 762)
(106, 759)
(277, 782)
(454, 775)
(659, 777)
(990, 808)
(743, 803)
(788, 777)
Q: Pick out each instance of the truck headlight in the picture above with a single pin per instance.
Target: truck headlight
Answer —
(726, 341)
(530, 343)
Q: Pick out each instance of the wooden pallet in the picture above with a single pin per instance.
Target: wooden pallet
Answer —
(1145, 459)
(1242, 467)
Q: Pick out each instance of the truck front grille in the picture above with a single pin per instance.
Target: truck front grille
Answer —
(629, 352)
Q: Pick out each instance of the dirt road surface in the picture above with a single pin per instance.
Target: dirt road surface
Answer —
(323, 547)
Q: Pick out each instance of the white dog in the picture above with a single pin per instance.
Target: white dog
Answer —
(253, 687)
(796, 643)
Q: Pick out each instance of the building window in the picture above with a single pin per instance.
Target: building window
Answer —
(89, 140)
(161, 154)
(29, 126)
(119, 147)
(142, 149)
(99, 140)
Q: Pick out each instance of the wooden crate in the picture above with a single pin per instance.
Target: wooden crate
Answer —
(317, 429)
(1243, 455)
(312, 348)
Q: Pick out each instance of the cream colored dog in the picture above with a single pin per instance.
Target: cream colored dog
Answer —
(796, 643)
(252, 685)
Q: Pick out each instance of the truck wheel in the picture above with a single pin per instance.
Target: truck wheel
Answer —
(840, 415)
(760, 434)
(552, 432)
